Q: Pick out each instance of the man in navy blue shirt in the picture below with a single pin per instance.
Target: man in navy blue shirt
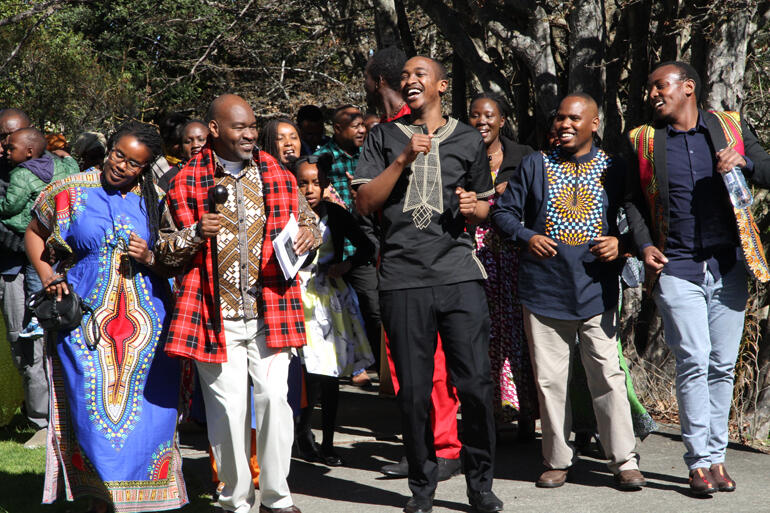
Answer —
(695, 253)
(562, 206)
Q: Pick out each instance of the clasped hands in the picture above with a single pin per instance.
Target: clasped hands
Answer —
(605, 248)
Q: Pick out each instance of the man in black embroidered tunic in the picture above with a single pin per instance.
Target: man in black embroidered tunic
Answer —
(429, 175)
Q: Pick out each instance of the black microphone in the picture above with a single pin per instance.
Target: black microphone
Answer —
(217, 196)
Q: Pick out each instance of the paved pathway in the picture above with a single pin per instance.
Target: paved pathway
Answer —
(366, 439)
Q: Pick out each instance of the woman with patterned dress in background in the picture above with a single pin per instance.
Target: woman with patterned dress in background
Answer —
(515, 394)
(114, 392)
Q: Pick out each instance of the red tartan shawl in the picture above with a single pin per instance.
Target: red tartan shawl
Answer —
(191, 333)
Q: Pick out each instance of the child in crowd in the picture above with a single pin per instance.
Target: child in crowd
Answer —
(34, 168)
(336, 341)
(194, 135)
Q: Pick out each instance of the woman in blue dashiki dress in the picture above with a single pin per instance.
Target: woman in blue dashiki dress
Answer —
(114, 393)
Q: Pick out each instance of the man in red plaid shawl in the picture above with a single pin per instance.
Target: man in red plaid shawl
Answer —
(261, 312)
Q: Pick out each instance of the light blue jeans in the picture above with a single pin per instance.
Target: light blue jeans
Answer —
(703, 324)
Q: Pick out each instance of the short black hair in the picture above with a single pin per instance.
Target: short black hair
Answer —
(337, 116)
(323, 161)
(686, 72)
(268, 136)
(171, 128)
(310, 113)
(387, 63)
(194, 121)
(503, 106)
(32, 138)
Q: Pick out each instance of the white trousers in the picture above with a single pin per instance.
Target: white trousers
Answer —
(225, 389)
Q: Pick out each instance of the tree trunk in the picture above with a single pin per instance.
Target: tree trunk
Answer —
(386, 28)
(403, 28)
(586, 49)
(639, 39)
(470, 49)
(726, 58)
(459, 98)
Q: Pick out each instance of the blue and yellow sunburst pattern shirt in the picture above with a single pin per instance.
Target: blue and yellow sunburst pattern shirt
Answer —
(575, 189)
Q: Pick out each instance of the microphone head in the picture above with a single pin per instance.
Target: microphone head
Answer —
(218, 194)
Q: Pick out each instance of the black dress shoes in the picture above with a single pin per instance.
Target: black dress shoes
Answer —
(330, 458)
(418, 505)
(484, 502)
(400, 469)
(446, 468)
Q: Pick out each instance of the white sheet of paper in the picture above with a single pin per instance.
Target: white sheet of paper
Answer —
(283, 245)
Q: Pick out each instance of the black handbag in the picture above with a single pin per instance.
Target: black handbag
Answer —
(64, 315)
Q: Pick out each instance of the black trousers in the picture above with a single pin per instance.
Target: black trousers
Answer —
(327, 389)
(458, 312)
(365, 282)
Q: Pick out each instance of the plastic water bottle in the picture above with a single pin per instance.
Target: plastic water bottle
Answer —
(740, 194)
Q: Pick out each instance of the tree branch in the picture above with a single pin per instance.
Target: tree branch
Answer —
(27, 36)
(36, 9)
(207, 52)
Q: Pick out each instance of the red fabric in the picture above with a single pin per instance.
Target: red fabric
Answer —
(404, 111)
(191, 333)
(443, 397)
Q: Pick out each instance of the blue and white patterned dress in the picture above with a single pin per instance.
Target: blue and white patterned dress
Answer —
(114, 408)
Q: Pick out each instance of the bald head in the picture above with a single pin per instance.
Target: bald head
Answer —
(592, 108)
(233, 127)
(224, 104)
(10, 121)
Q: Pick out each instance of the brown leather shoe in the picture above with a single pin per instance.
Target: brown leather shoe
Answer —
(630, 479)
(553, 478)
(702, 482)
(290, 509)
(724, 482)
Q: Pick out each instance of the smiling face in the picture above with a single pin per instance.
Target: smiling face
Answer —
(193, 139)
(422, 83)
(234, 129)
(349, 129)
(310, 184)
(485, 117)
(576, 121)
(668, 94)
(287, 142)
(125, 162)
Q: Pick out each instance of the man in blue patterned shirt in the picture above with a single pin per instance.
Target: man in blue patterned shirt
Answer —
(562, 207)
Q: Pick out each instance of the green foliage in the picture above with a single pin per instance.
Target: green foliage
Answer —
(89, 65)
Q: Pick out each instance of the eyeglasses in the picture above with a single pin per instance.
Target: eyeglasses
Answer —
(117, 156)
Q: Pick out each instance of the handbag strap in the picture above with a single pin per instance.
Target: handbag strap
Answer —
(86, 308)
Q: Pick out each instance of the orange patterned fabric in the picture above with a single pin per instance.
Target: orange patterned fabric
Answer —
(642, 140)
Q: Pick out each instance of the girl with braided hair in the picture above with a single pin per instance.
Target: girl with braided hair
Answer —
(114, 392)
